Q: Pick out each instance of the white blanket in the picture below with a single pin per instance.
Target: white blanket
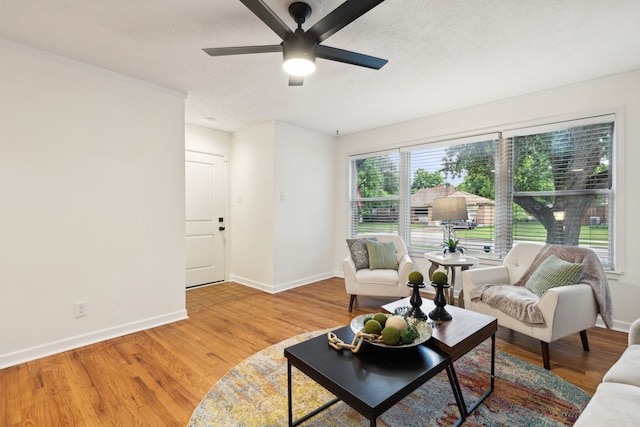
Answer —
(516, 301)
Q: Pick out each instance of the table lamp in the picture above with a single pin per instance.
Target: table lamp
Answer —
(448, 209)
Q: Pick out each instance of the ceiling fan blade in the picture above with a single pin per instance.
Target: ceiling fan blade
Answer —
(266, 15)
(348, 57)
(296, 80)
(241, 50)
(342, 16)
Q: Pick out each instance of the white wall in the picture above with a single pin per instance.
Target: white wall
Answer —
(92, 204)
(281, 206)
(252, 175)
(303, 193)
(603, 95)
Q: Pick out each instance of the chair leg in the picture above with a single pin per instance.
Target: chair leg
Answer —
(545, 355)
(585, 342)
(353, 298)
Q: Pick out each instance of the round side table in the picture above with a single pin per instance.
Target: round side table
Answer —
(449, 262)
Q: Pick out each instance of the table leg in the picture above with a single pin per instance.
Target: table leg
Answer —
(461, 293)
(493, 375)
(312, 413)
(452, 285)
(432, 269)
(493, 360)
(289, 393)
(457, 393)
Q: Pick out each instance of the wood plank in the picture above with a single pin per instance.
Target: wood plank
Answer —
(158, 376)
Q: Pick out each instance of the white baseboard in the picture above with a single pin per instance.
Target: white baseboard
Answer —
(274, 289)
(307, 280)
(617, 325)
(26, 355)
(251, 283)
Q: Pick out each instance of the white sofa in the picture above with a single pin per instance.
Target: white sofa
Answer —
(566, 310)
(379, 282)
(616, 401)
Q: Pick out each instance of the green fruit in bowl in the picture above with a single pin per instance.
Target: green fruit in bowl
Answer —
(381, 318)
(416, 278)
(406, 337)
(439, 278)
(372, 327)
(391, 336)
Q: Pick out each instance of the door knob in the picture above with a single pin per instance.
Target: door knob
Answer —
(221, 228)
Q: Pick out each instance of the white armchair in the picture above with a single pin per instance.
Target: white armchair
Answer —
(565, 309)
(379, 282)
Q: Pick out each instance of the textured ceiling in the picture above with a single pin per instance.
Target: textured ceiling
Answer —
(443, 55)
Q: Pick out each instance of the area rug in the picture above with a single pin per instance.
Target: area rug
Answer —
(254, 393)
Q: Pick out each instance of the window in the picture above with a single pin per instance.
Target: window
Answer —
(464, 168)
(375, 193)
(549, 184)
(563, 186)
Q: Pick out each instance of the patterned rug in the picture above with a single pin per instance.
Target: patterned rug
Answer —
(254, 393)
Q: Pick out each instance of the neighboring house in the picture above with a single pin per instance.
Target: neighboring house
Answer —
(480, 209)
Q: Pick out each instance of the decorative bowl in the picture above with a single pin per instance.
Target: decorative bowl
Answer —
(424, 329)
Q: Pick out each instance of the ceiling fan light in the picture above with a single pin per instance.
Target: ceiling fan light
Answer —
(299, 66)
(299, 54)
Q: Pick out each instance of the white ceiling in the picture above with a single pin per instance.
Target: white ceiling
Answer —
(443, 54)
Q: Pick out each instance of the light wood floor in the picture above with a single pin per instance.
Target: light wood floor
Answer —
(157, 377)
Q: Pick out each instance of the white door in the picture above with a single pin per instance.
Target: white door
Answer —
(205, 235)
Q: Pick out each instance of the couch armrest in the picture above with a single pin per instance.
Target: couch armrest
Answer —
(634, 332)
(405, 267)
(349, 268)
(559, 307)
(480, 276)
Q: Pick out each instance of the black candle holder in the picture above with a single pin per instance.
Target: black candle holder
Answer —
(416, 301)
(439, 313)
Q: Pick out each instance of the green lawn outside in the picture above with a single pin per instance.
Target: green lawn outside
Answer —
(589, 235)
(377, 227)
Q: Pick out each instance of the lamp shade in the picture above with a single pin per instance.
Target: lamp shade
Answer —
(299, 56)
(449, 209)
(299, 66)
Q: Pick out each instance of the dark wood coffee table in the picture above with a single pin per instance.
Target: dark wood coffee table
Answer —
(456, 337)
(370, 381)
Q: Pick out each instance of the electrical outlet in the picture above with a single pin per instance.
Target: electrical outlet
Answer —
(80, 309)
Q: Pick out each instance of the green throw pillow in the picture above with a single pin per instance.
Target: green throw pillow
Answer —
(552, 273)
(382, 255)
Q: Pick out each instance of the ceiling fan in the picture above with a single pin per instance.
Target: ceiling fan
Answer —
(301, 48)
